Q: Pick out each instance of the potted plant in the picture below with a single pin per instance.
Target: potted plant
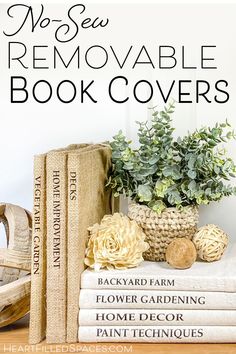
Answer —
(168, 179)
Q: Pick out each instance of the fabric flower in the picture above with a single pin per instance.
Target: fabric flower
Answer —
(117, 242)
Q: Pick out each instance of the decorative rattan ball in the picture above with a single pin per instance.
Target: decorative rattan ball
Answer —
(181, 253)
(210, 242)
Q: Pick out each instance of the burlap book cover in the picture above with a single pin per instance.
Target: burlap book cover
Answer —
(38, 266)
(72, 179)
(56, 293)
(88, 202)
(56, 246)
(37, 330)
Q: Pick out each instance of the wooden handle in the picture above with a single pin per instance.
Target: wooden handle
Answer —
(14, 312)
(15, 259)
(15, 263)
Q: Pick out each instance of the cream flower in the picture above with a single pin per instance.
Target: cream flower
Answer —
(117, 242)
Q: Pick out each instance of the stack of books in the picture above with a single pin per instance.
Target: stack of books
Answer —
(69, 196)
(154, 303)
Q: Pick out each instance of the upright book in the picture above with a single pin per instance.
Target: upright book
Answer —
(88, 202)
(56, 246)
(72, 198)
(37, 328)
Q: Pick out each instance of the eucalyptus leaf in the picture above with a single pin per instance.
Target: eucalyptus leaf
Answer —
(144, 193)
(154, 159)
(172, 171)
(192, 174)
(192, 186)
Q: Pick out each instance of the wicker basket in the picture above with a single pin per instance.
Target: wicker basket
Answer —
(161, 229)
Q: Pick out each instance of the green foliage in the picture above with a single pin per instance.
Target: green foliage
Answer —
(164, 172)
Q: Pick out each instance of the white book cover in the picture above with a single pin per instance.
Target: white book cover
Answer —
(156, 317)
(93, 298)
(154, 334)
(215, 276)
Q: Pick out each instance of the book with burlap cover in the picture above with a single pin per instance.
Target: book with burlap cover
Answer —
(37, 328)
(88, 202)
(56, 246)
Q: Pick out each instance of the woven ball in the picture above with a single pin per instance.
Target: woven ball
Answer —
(210, 242)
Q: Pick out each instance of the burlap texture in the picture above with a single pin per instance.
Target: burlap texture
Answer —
(56, 271)
(92, 203)
(91, 163)
(37, 330)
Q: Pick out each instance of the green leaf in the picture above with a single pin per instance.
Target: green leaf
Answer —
(144, 193)
(191, 162)
(174, 197)
(172, 171)
(208, 191)
(153, 159)
(192, 186)
(162, 186)
(192, 174)
(155, 114)
(216, 169)
(158, 206)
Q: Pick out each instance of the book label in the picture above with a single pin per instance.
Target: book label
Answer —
(185, 334)
(140, 299)
(130, 282)
(155, 317)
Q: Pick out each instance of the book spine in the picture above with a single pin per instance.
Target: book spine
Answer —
(37, 328)
(97, 280)
(153, 299)
(75, 242)
(74, 245)
(155, 334)
(88, 202)
(156, 317)
(56, 246)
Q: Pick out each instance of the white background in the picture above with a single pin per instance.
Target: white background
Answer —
(31, 128)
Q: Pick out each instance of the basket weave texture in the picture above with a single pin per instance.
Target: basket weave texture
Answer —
(161, 229)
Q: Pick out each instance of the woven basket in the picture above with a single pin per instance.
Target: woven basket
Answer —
(161, 229)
